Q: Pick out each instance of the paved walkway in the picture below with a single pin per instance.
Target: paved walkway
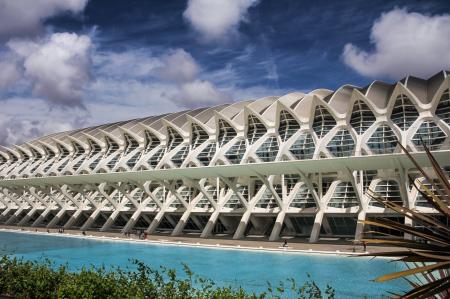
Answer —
(325, 245)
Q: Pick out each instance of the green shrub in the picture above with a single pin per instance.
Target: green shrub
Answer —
(30, 279)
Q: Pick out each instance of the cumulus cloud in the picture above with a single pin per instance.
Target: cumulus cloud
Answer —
(9, 73)
(405, 43)
(25, 17)
(200, 93)
(16, 130)
(58, 67)
(217, 19)
(178, 65)
(19, 125)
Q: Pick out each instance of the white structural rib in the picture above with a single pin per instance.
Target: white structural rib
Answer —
(299, 164)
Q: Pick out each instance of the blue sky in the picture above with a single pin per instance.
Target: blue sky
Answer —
(74, 63)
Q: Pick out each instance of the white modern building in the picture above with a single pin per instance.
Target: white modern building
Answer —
(299, 164)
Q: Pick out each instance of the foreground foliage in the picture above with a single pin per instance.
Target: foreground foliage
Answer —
(29, 279)
(427, 253)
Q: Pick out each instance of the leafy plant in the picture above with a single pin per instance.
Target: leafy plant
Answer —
(427, 253)
(28, 279)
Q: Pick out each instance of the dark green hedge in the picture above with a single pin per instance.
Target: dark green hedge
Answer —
(29, 279)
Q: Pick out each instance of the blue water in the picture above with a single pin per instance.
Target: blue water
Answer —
(350, 277)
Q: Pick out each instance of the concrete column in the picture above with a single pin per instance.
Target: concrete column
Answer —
(155, 222)
(210, 225)
(56, 219)
(242, 225)
(408, 222)
(316, 227)
(27, 217)
(42, 216)
(110, 220)
(134, 218)
(360, 226)
(275, 234)
(73, 218)
(92, 218)
(14, 216)
(5, 213)
(181, 224)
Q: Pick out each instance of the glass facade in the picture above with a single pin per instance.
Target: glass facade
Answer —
(323, 122)
(179, 157)
(342, 144)
(431, 135)
(173, 139)
(151, 141)
(268, 151)
(443, 108)
(304, 147)
(344, 196)
(255, 130)
(288, 125)
(383, 140)
(198, 136)
(206, 155)
(362, 117)
(236, 152)
(303, 198)
(388, 189)
(226, 133)
(404, 112)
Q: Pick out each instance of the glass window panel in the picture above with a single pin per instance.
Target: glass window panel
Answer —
(174, 139)
(179, 157)
(443, 108)
(383, 140)
(206, 155)
(362, 117)
(404, 112)
(323, 121)
(388, 189)
(304, 147)
(151, 141)
(226, 132)
(431, 135)
(288, 125)
(255, 129)
(342, 144)
(267, 152)
(198, 136)
(303, 198)
(344, 196)
(236, 152)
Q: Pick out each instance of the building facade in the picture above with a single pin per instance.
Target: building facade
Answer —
(299, 164)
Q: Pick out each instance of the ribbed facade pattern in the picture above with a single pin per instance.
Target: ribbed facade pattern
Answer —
(347, 123)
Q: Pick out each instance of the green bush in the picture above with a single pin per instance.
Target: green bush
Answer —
(30, 279)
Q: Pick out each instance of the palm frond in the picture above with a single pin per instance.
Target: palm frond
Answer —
(427, 253)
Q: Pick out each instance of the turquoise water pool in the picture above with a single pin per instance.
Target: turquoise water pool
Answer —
(250, 269)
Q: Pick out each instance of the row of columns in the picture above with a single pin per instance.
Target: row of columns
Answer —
(115, 198)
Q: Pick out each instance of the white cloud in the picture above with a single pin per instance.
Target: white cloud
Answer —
(58, 67)
(133, 63)
(405, 43)
(18, 124)
(200, 93)
(9, 72)
(178, 66)
(25, 17)
(217, 19)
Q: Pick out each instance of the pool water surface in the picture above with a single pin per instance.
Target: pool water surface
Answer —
(349, 276)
